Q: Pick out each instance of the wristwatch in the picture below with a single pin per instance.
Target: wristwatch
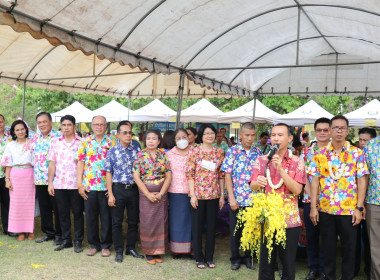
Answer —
(360, 208)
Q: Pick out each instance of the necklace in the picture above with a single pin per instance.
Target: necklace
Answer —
(337, 175)
(273, 186)
(21, 148)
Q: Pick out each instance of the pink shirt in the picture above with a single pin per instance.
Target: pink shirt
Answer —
(178, 165)
(65, 163)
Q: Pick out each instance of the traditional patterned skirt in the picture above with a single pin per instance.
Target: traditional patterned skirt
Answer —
(22, 201)
(153, 222)
(179, 223)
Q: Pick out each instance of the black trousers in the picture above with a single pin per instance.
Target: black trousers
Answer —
(235, 238)
(66, 200)
(4, 200)
(95, 205)
(125, 198)
(362, 235)
(331, 226)
(210, 208)
(287, 257)
(47, 206)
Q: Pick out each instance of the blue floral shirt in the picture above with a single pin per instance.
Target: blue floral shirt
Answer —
(119, 163)
(3, 143)
(372, 156)
(240, 165)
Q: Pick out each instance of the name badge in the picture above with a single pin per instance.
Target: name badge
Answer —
(210, 165)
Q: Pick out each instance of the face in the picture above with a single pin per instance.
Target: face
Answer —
(279, 135)
(264, 140)
(223, 131)
(99, 126)
(2, 124)
(208, 136)
(191, 136)
(152, 141)
(247, 137)
(219, 137)
(44, 124)
(363, 139)
(20, 131)
(339, 130)
(181, 135)
(323, 132)
(125, 134)
(67, 128)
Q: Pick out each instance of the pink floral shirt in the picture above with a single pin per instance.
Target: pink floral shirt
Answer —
(63, 154)
(178, 164)
(296, 171)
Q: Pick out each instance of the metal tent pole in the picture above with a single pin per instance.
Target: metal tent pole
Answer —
(254, 108)
(180, 96)
(129, 104)
(23, 101)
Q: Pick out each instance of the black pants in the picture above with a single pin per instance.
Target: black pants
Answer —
(362, 235)
(235, 238)
(125, 198)
(287, 257)
(66, 200)
(331, 226)
(210, 208)
(47, 206)
(4, 200)
(95, 205)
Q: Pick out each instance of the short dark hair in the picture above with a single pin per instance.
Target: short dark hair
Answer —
(265, 133)
(192, 129)
(126, 122)
(304, 135)
(168, 141)
(296, 143)
(178, 130)
(248, 125)
(44, 114)
(222, 128)
(123, 123)
(321, 120)
(68, 118)
(2, 116)
(339, 117)
(284, 124)
(12, 130)
(154, 131)
(368, 130)
(202, 129)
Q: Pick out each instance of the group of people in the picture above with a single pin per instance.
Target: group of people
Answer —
(172, 193)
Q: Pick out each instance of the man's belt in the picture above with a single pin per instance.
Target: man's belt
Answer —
(125, 186)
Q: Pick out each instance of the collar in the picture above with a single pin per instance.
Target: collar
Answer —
(176, 152)
(62, 137)
(130, 146)
(241, 148)
(40, 135)
(344, 148)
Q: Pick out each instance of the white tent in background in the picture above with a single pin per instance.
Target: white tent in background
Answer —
(155, 111)
(113, 112)
(362, 117)
(245, 113)
(81, 113)
(202, 111)
(306, 114)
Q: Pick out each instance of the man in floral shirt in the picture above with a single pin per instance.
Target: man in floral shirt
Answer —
(372, 155)
(4, 192)
(238, 165)
(91, 181)
(42, 142)
(340, 171)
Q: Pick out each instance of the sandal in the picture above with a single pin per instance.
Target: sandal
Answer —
(200, 265)
(211, 264)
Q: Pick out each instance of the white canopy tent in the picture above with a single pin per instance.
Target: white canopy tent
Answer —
(245, 114)
(113, 112)
(202, 111)
(306, 114)
(155, 111)
(81, 113)
(368, 115)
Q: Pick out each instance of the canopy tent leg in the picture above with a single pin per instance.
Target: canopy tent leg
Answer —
(254, 108)
(180, 97)
(23, 101)
(129, 104)
(298, 35)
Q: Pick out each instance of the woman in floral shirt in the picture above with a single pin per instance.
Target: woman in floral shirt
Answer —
(206, 188)
(152, 174)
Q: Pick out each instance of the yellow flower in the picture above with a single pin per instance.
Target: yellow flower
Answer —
(324, 203)
(334, 209)
(347, 204)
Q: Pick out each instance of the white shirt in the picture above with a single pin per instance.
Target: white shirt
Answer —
(18, 154)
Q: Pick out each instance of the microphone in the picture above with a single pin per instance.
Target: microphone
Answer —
(273, 150)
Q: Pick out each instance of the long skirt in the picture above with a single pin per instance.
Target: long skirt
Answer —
(153, 222)
(179, 223)
(22, 201)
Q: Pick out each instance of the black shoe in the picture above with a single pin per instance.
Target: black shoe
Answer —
(176, 256)
(249, 263)
(78, 247)
(119, 258)
(134, 254)
(63, 246)
(312, 275)
(57, 240)
(11, 234)
(322, 276)
(235, 266)
(44, 238)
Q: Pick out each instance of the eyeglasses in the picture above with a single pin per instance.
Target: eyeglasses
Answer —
(319, 130)
(126, 132)
(337, 128)
(209, 133)
(99, 124)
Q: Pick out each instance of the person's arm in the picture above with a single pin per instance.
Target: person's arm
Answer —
(221, 199)
(8, 183)
(193, 197)
(51, 173)
(362, 189)
(314, 215)
(111, 197)
(234, 205)
(165, 186)
(307, 185)
(81, 189)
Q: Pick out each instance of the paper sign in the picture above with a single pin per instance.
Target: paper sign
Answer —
(370, 122)
(309, 127)
(173, 119)
(235, 125)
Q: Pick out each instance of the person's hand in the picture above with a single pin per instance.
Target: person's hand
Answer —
(152, 197)
(356, 217)
(82, 192)
(364, 213)
(106, 194)
(8, 184)
(221, 202)
(261, 182)
(158, 196)
(314, 215)
(277, 162)
(51, 189)
(111, 200)
(234, 205)
(194, 202)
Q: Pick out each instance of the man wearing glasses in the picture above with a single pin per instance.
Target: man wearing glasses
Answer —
(91, 181)
(122, 190)
(340, 171)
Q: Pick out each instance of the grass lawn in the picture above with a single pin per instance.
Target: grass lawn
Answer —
(21, 260)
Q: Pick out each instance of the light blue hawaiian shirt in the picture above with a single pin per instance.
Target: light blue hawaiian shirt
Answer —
(372, 156)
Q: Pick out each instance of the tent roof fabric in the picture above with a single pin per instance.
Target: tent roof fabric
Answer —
(173, 36)
(80, 113)
(155, 111)
(202, 111)
(370, 111)
(112, 111)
